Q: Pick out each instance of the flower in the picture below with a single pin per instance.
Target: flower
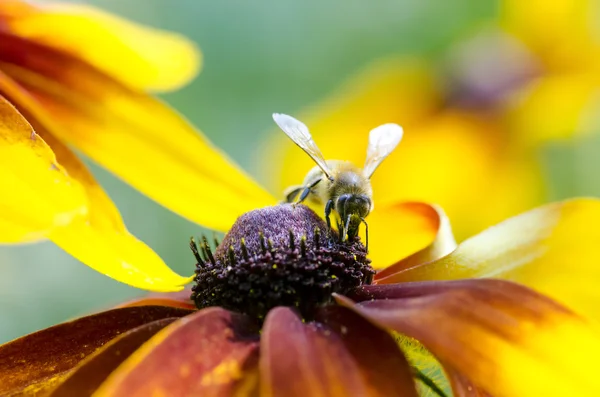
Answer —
(493, 337)
(476, 118)
(90, 92)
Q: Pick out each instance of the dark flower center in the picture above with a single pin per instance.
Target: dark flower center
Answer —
(278, 256)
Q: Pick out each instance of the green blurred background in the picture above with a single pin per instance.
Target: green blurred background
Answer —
(260, 57)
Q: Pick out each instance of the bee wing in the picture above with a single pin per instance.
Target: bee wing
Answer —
(382, 141)
(298, 132)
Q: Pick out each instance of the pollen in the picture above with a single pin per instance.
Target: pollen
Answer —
(278, 256)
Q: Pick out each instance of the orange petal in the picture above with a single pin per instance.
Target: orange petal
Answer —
(553, 249)
(211, 352)
(37, 361)
(311, 360)
(401, 229)
(95, 368)
(507, 339)
(136, 137)
(37, 192)
(136, 55)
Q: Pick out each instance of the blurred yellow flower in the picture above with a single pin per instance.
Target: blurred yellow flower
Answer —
(472, 125)
(89, 91)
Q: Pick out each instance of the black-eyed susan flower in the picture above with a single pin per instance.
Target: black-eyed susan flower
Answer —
(286, 309)
(81, 78)
(304, 317)
(477, 117)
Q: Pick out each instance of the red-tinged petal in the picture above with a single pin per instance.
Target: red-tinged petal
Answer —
(442, 244)
(300, 360)
(34, 361)
(136, 55)
(92, 371)
(123, 129)
(507, 339)
(383, 367)
(552, 249)
(210, 353)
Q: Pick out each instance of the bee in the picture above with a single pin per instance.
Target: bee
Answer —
(340, 185)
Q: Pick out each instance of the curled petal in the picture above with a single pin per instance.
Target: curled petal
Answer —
(211, 352)
(147, 58)
(38, 361)
(507, 339)
(37, 192)
(313, 360)
(93, 370)
(442, 244)
(552, 249)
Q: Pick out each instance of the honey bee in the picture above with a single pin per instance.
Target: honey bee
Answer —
(340, 185)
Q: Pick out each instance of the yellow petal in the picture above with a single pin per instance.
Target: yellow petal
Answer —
(37, 193)
(543, 25)
(100, 239)
(138, 56)
(401, 229)
(552, 249)
(118, 255)
(138, 138)
(433, 228)
(559, 106)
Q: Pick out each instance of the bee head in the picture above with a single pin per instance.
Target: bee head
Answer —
(353, 204)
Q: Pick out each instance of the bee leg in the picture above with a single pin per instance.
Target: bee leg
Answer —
(366, 233)
(328, 208)
(307, 191)
(291, 193)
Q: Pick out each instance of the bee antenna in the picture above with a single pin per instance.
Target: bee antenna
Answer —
(366, 233)
(340, 227)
